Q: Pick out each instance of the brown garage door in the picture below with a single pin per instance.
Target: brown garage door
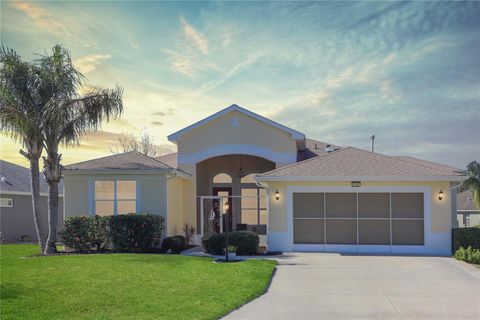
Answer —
(358, 218)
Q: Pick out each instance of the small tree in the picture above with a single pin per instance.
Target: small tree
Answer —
(472, 183)
(143, 144)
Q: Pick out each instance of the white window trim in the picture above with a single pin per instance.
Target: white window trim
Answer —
(7, 206)
(92, 203)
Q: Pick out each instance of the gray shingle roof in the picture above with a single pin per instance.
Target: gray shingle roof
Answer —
(17, 179)
(314, 148)
(169, 159)
(129, 160)
(351, 162)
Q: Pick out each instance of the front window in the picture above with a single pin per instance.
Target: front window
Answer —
(254, 206)
(115, 197)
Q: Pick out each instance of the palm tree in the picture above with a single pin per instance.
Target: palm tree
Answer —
(67, 117)
(472, 183)
(21, 118)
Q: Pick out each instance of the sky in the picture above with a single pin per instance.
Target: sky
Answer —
(408, 72)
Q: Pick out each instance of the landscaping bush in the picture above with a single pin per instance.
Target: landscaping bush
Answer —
(468, 255)
(76, 233)
(466, 237)
(246, 243)
(99, 232)
(176, 244)
(135, 232)
(132, 232)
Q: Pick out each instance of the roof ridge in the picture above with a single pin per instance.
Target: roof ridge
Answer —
(14, 164)
(447, 167)
(304, 161)
(155, 160)
(110, 155)
(396, 158)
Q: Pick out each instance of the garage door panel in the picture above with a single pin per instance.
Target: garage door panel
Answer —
(407, 232)
(308, 205)
(374, 232)
(308, 231)
(407, 205)
(374, 205)
(341, 205)
(341, 231)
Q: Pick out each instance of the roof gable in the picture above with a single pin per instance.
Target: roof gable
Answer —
(352, 163)
(294, 134)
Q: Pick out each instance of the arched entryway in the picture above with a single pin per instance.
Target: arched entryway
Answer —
(232, 176)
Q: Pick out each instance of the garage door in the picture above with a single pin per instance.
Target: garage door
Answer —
(358, 218)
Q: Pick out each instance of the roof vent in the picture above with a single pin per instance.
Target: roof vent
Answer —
(2, 179)
(329, 148)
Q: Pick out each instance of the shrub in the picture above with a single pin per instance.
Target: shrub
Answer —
(466, 237)
(135, 232)
(176, 244)
(132, 232)
(76, 233)
(468, 255)
(246, 243)
(99, 232)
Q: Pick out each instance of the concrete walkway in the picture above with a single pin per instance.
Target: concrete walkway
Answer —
(334, 286)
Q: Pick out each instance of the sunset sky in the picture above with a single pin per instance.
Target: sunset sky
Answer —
(338, 72)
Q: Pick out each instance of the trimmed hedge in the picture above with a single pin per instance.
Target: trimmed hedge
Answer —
(86, 233)
(175, 243)
(246, 243)
(466, 237)
(126, 233)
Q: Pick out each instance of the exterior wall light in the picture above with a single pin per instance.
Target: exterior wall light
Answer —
(440, 195)
(277, 195)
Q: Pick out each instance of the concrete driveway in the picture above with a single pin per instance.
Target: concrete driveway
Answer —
(334, 286)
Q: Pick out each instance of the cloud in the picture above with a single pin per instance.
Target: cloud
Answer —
(41, 17)
(159, 113)
(226, 75)
(89, 63)
(195, 36)
(99, 140)
(157, 123)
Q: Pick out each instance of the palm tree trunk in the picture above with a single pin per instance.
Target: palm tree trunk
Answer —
(52, 217)
(35, 183)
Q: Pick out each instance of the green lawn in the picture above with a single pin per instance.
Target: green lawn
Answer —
(124, 286)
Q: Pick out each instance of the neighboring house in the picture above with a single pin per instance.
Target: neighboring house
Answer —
(16, 213)
(467, 213)
(297, 193)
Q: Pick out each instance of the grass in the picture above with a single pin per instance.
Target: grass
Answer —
(124, 286)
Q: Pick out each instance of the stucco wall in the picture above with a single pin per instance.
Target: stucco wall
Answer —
(18, 221)
(175, 206)
(242, 130)
(152, 192)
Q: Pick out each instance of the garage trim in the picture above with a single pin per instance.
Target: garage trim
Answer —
(429, 246)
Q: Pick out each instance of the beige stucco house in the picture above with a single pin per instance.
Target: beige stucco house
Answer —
(241, 171)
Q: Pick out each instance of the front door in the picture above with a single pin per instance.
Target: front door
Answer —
(223, 192)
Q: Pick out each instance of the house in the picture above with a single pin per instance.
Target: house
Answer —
(16, 213)
(238, 170)
(468, 214)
